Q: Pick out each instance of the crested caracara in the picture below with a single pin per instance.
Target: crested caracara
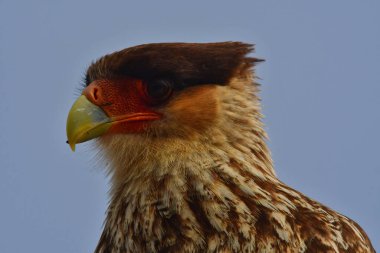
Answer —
(179, 125)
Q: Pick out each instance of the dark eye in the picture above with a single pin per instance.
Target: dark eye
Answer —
(158, 91)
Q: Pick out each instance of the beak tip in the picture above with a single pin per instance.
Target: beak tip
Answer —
(72, 146)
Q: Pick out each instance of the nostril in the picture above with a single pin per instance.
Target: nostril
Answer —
(95, 93)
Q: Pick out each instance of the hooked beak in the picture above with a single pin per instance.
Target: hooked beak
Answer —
(85, 121)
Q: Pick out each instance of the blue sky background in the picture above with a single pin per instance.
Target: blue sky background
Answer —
(320, 92)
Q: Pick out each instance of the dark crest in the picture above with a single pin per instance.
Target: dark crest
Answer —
(186, 63)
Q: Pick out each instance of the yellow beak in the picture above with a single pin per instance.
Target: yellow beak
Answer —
(85, 121)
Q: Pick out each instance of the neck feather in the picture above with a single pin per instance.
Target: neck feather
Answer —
(158, 184)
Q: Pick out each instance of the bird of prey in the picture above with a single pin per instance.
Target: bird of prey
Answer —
(179, 125)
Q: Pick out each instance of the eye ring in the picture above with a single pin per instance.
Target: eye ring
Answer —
(158, 91)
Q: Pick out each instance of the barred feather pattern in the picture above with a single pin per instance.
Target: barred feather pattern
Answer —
(214, 192)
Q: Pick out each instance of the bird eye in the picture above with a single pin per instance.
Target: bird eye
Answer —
(158, 91)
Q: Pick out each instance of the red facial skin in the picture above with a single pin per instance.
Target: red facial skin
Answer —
(124, 101)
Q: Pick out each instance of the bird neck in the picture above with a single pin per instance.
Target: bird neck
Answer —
(158, 184)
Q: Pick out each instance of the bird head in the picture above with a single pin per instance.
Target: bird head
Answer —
(156, 90)
(154, 102)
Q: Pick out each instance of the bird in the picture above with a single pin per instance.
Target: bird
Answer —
(179, 126)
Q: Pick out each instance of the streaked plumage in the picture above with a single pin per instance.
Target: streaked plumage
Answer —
(201, 178)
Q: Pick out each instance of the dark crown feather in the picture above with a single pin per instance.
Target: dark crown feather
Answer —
(186, 63)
